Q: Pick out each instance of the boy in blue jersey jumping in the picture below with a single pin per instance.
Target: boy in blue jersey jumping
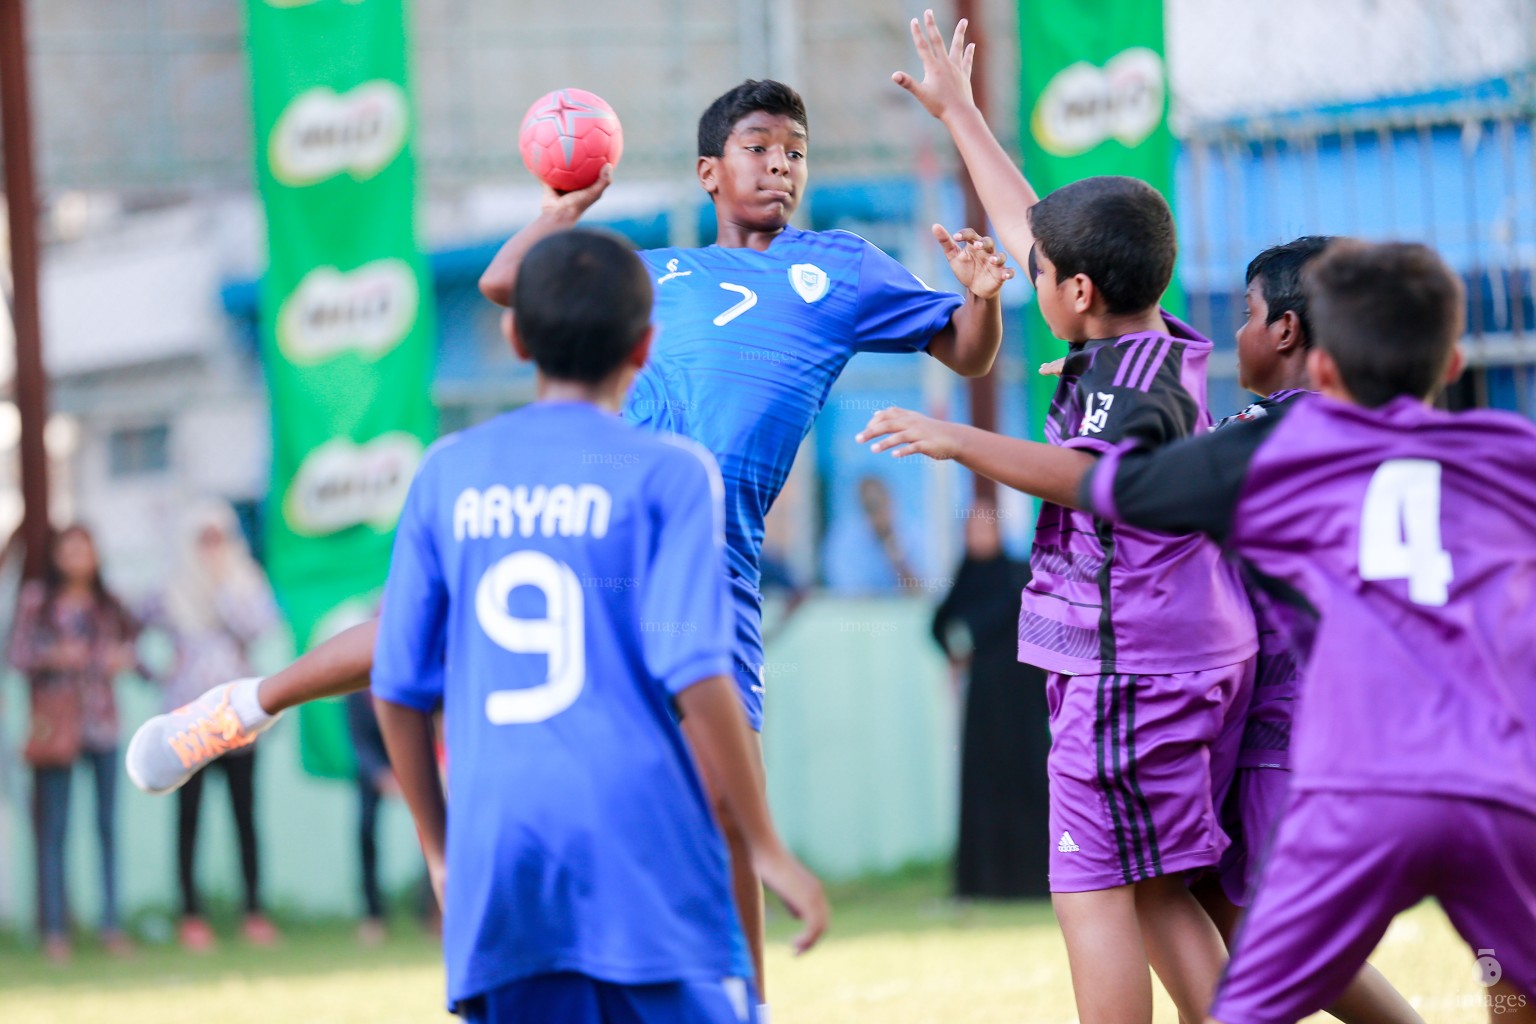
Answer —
(751, 334)
(585, 880)
(753, 331)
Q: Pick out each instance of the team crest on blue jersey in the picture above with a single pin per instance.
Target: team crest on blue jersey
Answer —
(809, 281)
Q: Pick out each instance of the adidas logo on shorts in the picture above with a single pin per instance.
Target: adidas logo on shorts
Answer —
(1066, 845)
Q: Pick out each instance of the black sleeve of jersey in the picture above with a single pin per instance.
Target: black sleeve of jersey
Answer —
(1133, 393)
(1191, 486)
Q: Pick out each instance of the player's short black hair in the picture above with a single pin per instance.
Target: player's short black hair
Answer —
(1116, 230)
(749, 97)
(1278, 271)
(1389, 314)
(581, 303)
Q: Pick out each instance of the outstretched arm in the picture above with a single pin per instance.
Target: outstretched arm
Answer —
(717, 732)
(945, 92)
(558, 212)
(1044, 470)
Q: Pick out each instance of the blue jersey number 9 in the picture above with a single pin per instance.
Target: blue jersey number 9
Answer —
(560, 635)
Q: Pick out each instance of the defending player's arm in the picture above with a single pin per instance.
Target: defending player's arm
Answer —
(558, 211)
(1151, 412)
(1191, 486)
(945, 92)
(692, 659)
(1043, 470)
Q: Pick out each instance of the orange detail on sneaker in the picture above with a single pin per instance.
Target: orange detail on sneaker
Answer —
(219, 732)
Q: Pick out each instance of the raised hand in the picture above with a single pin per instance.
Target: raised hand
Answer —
(975, 260)
(946, 83)
(903, 432)
(574, 204)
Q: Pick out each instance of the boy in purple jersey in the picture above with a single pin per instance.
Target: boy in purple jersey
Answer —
(1148, 638)
(1403, 542)
(1272, 347)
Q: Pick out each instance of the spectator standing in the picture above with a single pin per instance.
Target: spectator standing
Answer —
(72, 639)
(216, 607)
(1004, 835)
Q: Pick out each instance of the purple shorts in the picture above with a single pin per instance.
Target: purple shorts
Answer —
(1253, 808)
(1139, 767)
(1344, 864)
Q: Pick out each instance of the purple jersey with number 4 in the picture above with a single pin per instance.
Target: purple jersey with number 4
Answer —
(1110, 598)
(1408, 535)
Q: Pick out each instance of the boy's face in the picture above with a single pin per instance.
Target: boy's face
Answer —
(758, 181)
(1057, 307)
(1255, 348)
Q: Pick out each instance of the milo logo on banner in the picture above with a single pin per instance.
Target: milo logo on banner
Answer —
(354, 611)
(346, 312)
(343, 484)
(368, 311)
(1084, 105)
(323, 133)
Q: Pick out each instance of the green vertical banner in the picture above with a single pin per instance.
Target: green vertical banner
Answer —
(346, 314)
(1094, 101)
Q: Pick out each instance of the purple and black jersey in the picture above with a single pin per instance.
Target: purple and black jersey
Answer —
(1267, 737)
(1403, 541)
(1111, 598)
(1258, 410)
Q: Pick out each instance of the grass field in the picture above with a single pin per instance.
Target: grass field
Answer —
(899, 954)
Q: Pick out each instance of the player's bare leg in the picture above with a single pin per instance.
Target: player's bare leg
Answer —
(1508, 1005)
(1108, 959)
(336, 667)
(1183, 945)
(1370, 998)
(746, 887)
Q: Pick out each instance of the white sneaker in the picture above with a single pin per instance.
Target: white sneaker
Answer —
(169, 749)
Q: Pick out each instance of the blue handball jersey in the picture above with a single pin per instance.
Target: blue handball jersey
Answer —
(548, 590)
(749, 343)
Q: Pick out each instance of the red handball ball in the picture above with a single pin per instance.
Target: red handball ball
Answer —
(567, 137)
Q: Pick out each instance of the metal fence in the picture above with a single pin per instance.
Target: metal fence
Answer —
(1406, 120)
(150, 98)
